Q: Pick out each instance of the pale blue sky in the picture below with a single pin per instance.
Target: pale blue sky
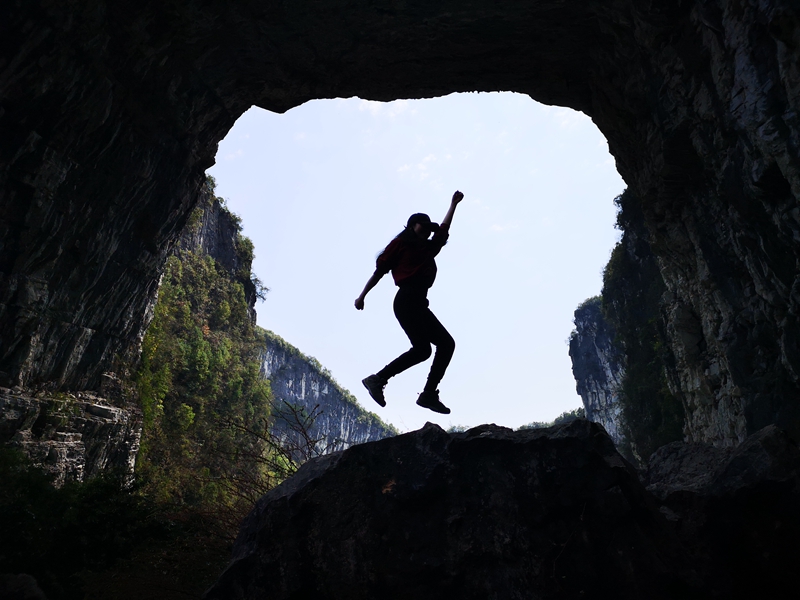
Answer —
(323, 188)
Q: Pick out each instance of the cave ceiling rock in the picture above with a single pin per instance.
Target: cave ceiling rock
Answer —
(111, 112)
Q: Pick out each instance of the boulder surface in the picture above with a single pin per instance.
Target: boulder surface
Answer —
(735, 510)
(489, 513)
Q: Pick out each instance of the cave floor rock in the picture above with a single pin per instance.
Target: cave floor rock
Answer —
(735, 510)
(489, 513)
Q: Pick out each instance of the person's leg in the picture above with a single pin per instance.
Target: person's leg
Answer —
(410, 308)
(445, 346)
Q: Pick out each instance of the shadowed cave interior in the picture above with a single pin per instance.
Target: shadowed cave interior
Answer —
(111, 114)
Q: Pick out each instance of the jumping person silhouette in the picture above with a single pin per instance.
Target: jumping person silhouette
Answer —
(410, 258)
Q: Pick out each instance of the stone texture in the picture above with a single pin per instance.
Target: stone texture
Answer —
(539, 514)
(598, 368)
(20, 587)
(735, 510)
(71, 436)
(302, 382)
(110, 112)
(652, 412)
(489, 513)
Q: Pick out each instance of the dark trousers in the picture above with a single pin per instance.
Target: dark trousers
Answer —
(423, 329)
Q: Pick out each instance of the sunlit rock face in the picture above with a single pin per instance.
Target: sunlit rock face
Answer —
(598, 368)
(72, 437)
(110, 113)
(313, 413)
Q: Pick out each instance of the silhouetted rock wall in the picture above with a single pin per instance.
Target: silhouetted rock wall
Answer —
(735, 510)
(598, 368)
(653, 413)
(111, 112)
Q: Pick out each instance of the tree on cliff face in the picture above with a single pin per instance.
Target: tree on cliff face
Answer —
(632, 288)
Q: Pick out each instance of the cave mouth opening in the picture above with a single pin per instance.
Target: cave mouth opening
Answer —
(322, 188)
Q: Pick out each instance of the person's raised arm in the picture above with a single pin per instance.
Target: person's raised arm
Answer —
(448, 218)
(371, 283)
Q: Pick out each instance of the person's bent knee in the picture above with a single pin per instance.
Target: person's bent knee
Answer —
(422, 351)
(448, 344)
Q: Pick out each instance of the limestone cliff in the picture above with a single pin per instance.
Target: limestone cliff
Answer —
(215, 231)
(70, 436)
(340, 422)
(110, 113)
(598, 368)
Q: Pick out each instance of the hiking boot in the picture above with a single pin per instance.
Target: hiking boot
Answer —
(375, 385)
(430, 400)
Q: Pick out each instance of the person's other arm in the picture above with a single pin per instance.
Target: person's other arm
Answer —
(371, 283)
(383, 265)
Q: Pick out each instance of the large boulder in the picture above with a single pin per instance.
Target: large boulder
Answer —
(735, 510)
(489, 513)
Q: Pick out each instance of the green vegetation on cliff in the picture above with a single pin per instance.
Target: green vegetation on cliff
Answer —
(199, 373)
(199, 382)
(565, 417)
(632, 289)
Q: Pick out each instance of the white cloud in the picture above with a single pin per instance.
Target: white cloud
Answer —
(502, 228)
(373, 107)
(300, 136)
(398, 107)
(422, 166)
(234, 155)
(403, 169)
